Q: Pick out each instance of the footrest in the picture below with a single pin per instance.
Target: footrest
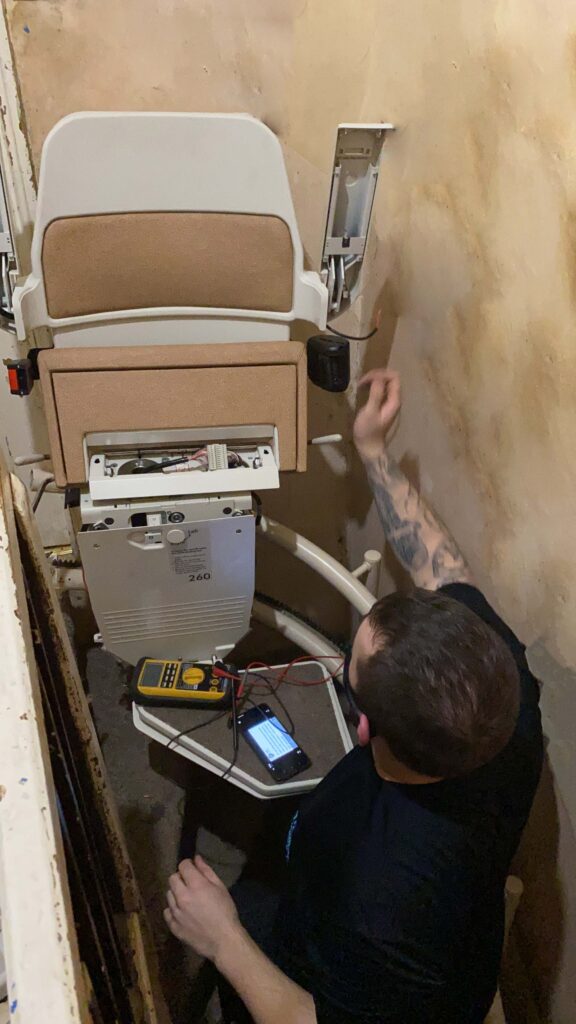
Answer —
(319, 728)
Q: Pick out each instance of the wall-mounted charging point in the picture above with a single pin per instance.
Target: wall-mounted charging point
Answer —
(354, 178)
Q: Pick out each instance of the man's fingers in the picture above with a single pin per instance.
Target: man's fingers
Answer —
(393, 391)
(172, 923)
(177, 887)
(381, 373)
(376, 395)
(171, 901)
(187, 871)
(207, 871)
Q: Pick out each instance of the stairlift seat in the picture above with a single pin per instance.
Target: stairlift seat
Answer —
(88, 390)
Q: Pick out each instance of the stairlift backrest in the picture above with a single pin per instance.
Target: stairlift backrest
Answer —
(187, 259)
(174, 219)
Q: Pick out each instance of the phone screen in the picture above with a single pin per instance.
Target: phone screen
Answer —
(272, 739)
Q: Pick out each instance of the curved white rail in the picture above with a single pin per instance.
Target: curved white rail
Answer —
(324, 564)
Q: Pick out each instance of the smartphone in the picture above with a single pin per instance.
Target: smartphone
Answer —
(271, 742)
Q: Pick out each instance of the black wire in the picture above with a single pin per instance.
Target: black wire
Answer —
(273, 691)
(229, 767)
(41, 490)
(352, 337)
(158, 467)
(227, 770)
(258, 503)
(193, 728)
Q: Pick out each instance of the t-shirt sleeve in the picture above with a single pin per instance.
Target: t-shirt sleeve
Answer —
(477, 603)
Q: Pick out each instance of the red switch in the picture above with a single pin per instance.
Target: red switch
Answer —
(20, 376)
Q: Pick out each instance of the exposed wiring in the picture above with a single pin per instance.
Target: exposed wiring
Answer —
(41, 490)
(283, 677)
(159, 467)
(244, 691)
(197, 460)
(352, 337)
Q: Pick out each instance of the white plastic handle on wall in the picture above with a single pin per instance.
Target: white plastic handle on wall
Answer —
(28, 460)
(326, 439)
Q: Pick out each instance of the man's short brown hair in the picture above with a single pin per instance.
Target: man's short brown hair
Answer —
(442, 687)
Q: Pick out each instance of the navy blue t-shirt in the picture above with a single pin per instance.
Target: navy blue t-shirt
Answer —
(394, 911)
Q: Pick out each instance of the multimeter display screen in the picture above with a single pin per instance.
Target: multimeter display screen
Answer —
(152, 674)
(272, 739)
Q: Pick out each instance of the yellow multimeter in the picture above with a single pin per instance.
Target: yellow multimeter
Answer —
(181, 684)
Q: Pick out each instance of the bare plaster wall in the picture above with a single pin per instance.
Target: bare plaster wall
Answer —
(472, 274)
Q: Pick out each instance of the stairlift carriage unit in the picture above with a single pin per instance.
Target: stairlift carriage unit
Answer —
(167, 263)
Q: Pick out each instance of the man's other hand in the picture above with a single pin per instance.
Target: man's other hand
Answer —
(375, 418)
(200, 910)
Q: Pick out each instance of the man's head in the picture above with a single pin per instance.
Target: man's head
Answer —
(437, 688)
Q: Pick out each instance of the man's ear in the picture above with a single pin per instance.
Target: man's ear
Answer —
(363, 730)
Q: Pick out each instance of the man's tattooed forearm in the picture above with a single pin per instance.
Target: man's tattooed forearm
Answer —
(409, 547)
(387, 507)
(417, 536)
(402, 531)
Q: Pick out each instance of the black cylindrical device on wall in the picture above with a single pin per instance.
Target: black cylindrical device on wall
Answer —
(329, 362)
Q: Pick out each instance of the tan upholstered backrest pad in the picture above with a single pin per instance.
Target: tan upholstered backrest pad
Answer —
(111, 262)
(174, 386)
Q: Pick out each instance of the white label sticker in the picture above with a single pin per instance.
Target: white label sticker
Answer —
(192, 557)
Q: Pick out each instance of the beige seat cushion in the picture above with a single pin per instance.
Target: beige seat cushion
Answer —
(111, 262)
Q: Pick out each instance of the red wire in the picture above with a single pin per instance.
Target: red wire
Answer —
(283, 677)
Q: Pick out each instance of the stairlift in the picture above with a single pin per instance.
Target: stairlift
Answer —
(168, 266)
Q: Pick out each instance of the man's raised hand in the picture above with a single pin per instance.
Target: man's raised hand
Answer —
(375, 418)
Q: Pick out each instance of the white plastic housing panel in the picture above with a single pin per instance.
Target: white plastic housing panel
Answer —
(94, 163)
(170, 591)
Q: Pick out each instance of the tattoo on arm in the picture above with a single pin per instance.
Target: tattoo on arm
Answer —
(403, 534)
(418, 538)
(448, 565)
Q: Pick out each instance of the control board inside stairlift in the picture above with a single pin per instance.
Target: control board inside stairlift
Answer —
(161, 463)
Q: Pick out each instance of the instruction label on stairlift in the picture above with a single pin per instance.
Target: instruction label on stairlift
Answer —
(192, 557)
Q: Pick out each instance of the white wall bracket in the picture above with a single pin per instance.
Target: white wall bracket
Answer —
(354, 178)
